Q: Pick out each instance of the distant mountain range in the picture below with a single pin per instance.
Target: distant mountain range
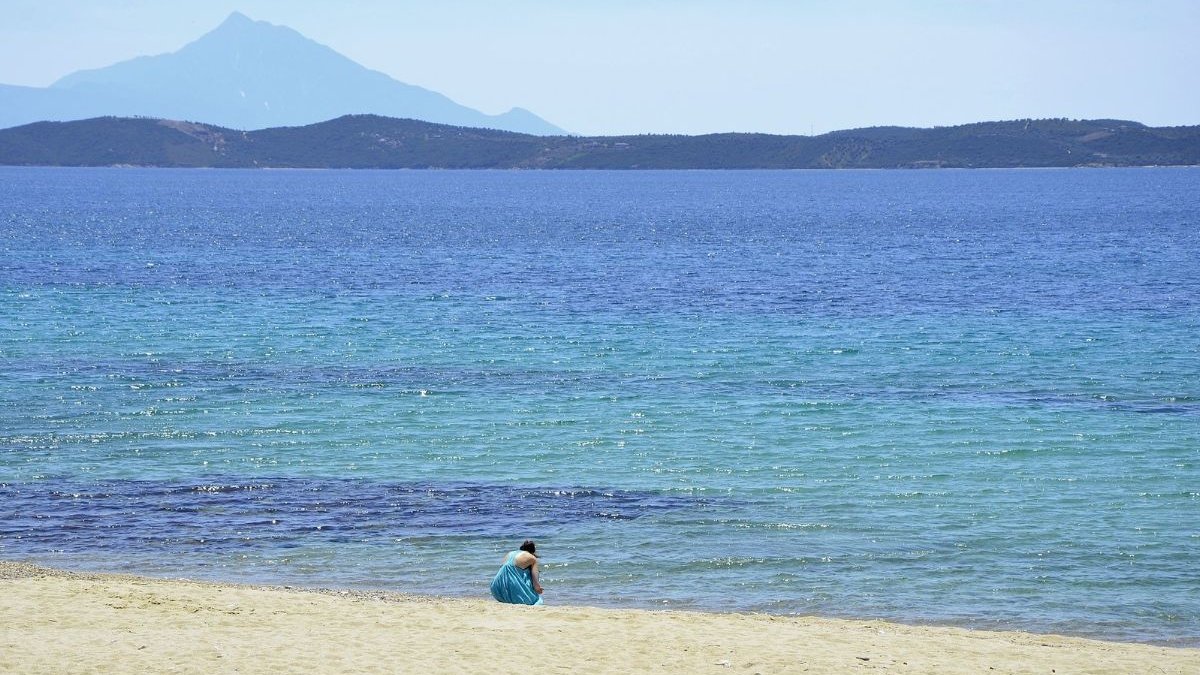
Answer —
(369, 141)
(246, 74)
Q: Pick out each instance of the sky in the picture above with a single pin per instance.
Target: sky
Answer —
(694, 66)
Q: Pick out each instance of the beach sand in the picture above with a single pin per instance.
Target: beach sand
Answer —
(62, 622)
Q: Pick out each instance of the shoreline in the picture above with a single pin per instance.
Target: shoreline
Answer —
(266, 167)
(63, 621)
(37, 566)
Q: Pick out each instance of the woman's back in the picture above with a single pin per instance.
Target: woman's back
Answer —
(514, 584)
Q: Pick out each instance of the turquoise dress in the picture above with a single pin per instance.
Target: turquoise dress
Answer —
(515, 585)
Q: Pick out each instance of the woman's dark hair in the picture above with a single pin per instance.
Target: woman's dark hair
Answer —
(529, 546)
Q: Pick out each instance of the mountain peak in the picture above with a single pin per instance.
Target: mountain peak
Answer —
(240, 22)
(241, 28)
(235, 18)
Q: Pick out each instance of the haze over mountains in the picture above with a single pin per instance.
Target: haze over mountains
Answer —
(246, 74)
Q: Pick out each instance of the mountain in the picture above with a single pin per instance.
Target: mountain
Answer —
(246, 74)
(370, 141)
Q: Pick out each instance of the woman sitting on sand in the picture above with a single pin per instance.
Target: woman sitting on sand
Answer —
(517, 581)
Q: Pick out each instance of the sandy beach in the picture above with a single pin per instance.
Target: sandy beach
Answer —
(59, 622)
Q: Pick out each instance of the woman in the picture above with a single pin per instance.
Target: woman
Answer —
(517, 581)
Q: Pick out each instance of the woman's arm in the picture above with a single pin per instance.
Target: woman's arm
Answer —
(533, 571)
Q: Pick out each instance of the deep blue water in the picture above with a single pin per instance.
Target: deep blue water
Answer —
(964, 397)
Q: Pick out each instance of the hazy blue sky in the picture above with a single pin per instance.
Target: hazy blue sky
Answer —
(695, 66)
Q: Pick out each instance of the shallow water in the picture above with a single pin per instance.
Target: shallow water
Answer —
(967, 397)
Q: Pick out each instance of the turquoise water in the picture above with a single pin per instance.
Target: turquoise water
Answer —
(963, 397)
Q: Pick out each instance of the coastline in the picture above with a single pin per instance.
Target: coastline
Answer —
(60, 621)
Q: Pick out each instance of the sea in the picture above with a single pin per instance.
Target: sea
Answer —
(948, 397)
